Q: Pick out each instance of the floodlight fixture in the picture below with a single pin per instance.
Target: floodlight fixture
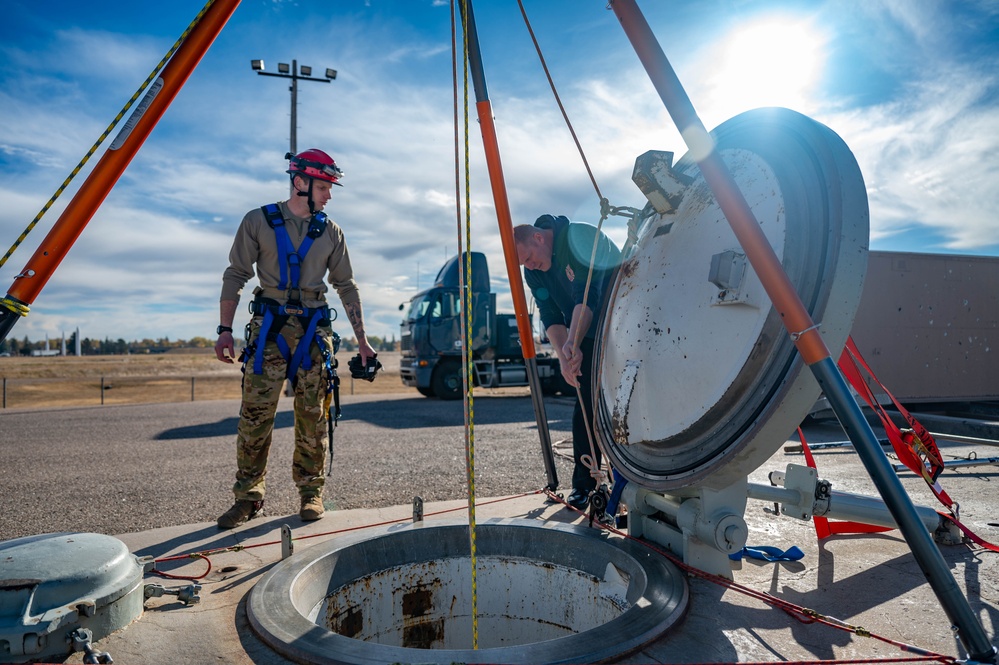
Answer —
(296, 74)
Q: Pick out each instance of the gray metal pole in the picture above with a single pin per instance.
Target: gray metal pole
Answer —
(932, 563)
(537, 400)
(780, 290)
(293, 87)
(294, 107)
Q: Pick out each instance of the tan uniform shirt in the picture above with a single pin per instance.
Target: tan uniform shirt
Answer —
(256, 244)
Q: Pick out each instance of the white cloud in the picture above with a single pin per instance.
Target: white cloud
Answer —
(152, 258)
(929, 160)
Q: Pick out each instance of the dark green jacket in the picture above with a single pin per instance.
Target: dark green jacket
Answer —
(560, 288)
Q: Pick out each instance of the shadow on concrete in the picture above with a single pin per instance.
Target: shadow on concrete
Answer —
(421, 412)
(225, 427)
(398, 414)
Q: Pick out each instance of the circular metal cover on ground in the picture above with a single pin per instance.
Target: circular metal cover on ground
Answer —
(54, 583)
(699, 382)
(547, 593)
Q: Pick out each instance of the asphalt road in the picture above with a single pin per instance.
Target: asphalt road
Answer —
(120, 469)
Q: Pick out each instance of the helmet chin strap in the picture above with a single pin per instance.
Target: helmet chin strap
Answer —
(312, 205)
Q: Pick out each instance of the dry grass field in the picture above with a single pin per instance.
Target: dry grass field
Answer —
(178, 376)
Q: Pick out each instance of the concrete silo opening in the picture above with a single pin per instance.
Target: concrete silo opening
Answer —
(544, 593)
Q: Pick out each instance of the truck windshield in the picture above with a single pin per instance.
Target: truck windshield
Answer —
(418, 308)
(438, 305)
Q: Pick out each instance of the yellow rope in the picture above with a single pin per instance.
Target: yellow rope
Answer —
(14, 305)
(93, 148)
(466, 322)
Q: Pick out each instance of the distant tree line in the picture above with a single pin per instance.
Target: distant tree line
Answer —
(119, 347)
(377, 343)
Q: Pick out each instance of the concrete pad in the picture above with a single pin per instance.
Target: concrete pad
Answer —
(871, 581)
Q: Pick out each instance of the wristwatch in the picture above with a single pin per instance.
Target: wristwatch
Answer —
(222, 329)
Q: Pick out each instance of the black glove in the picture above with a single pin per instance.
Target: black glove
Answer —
(359, 371)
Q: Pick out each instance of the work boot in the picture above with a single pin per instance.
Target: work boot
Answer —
(312, 509)
(579, 499)
(241, 511)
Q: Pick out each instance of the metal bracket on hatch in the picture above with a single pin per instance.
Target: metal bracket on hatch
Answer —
(703, 528)
(802, 495)
(804, 480)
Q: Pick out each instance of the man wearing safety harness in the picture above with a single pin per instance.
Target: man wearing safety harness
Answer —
(556, 255)
(293, 246)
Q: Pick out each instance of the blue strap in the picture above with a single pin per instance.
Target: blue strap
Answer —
(294, 259)
(284, 250)
(615, 496)
(272, 213)
(768, 553)
(291, 265)
(302, 358)
(258, 354)
(284, 349)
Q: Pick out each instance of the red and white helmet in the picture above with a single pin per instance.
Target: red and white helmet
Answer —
(314, 163)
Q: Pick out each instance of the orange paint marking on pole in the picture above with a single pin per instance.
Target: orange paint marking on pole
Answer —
(796, 319)
(112, 164)
(804, 333)
(495, 167)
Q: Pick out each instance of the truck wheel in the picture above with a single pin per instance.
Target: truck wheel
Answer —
(426, 392)
(447, 383)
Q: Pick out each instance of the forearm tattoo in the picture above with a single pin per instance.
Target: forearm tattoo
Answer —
(356, 318)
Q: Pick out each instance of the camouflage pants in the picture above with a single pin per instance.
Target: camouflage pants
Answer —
(256, 419)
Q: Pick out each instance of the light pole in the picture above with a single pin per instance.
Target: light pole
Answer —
(292, 72)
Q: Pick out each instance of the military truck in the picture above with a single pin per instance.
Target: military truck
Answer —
(431, 339)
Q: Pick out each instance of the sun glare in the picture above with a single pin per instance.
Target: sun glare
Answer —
(770, 63)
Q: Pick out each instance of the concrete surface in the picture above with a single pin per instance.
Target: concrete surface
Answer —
(872, 581)
(117, 469)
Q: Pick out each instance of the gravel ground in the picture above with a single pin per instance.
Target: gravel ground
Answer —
(119, 469)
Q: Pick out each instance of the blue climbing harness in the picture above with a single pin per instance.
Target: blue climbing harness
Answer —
(275, 315)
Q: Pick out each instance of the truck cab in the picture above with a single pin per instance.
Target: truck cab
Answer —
(431, 337)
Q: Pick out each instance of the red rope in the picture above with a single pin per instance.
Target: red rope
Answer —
(975, 538)
(171, 576)
(802, 614)
(823, 527)
(916, 449)
(204, 554)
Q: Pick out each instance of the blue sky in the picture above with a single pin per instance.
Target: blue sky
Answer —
(911, 86)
